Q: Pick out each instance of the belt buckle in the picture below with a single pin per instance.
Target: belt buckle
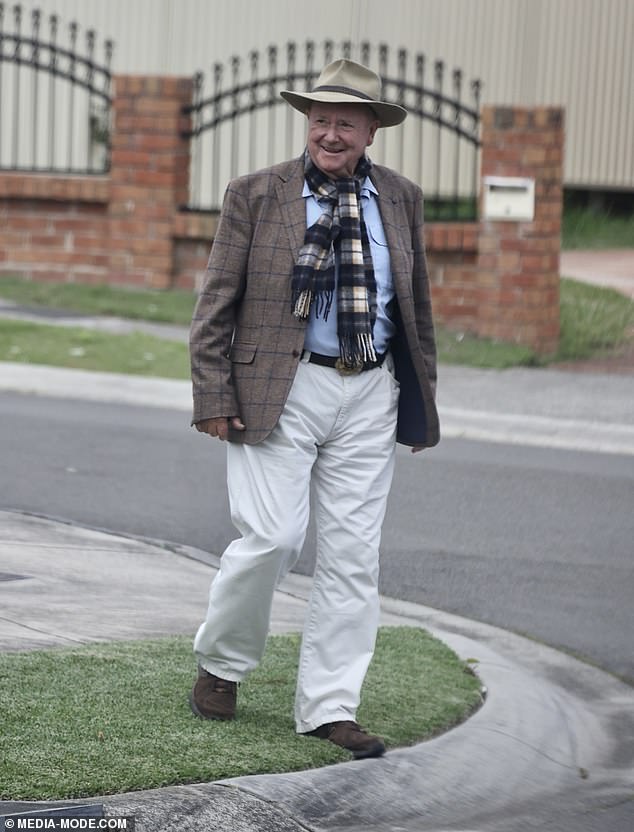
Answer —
(347, 371)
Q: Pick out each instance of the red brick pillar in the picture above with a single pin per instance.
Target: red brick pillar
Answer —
(149, 176)
(518, 261)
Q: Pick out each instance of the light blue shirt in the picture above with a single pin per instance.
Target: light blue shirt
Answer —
(321, 335)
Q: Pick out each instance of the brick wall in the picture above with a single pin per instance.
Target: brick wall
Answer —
(193, 234)
(149, 177)
(495, 279)
(452, 254)
(500, 279)
(123, 228)
(54, 227)
(518, 262)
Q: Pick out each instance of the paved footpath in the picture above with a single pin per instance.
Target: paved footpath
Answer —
(611, 269)
(550, 408)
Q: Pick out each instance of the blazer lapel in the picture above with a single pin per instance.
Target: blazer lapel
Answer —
(292, 206)
(396, 230)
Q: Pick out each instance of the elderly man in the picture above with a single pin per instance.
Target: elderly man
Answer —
(313, 353)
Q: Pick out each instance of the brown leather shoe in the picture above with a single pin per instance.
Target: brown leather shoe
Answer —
(212, 697)
(351, 736)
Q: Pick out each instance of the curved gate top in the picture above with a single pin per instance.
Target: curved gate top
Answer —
(239, 125)
(54, 95)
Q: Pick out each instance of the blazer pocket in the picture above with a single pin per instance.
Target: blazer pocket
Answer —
(242, 353)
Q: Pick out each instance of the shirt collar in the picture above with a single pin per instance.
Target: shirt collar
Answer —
(367, 188)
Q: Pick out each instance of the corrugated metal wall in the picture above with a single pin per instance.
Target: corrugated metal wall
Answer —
(575, 53)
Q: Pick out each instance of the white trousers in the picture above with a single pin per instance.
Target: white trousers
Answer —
(338, 432)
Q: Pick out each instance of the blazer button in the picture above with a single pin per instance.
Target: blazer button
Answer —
(296, 353)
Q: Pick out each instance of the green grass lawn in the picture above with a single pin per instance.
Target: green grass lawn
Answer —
(134, 354)
(583, 228)
(593, 321)
(114, 717)
(168, 306)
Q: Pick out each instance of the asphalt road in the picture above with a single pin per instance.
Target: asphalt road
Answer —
(538, 541)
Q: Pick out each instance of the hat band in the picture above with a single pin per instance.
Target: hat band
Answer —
(347, 90)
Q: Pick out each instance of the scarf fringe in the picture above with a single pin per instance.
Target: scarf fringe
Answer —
(303, 301)
(367, 346)
(356, 349)
(302, 304)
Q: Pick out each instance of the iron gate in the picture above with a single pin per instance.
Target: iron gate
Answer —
(238, 126)
(54, 101)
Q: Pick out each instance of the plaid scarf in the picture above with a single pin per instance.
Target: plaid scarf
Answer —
(340, 231)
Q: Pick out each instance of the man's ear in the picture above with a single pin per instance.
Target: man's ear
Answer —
(373, 128)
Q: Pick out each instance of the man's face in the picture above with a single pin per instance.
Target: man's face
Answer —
(338, 135)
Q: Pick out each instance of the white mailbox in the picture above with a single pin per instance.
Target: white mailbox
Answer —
(509, 198)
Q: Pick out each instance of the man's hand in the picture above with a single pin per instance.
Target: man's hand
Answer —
(220, 426)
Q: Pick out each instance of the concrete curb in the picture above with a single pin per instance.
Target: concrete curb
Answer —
(546, 408)
(546, 731)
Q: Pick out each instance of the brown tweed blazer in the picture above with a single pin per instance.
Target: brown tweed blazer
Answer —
(246, 344)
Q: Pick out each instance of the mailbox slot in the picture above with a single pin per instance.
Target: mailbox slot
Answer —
(509, 198)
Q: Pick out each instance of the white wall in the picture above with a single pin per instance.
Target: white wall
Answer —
(575, 53)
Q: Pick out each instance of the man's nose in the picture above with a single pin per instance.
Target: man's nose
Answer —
(331, 132)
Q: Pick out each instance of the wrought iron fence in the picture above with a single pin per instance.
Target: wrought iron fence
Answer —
(238, 126)
(54, 101)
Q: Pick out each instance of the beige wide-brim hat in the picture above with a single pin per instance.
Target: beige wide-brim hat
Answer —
(347, 82)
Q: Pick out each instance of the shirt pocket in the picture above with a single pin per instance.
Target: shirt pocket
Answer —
(380, 254)
(377, 235)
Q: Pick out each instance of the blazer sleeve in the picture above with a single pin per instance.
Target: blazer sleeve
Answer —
(214, 317)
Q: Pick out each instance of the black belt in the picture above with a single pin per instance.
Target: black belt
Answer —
(337, 364)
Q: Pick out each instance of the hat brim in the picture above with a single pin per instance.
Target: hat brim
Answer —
(388, 114)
